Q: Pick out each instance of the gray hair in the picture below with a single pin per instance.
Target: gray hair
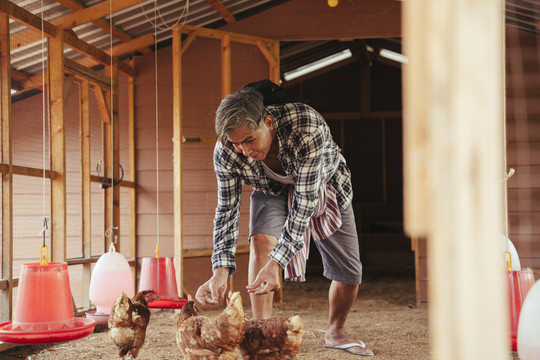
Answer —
(244, 107)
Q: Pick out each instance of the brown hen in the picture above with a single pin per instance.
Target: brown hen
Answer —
(272, 339)
(211, 338)
(128, 321)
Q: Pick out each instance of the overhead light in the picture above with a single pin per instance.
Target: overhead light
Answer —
(13, 91)
(316, 65)
(392, 55)
(332, 3)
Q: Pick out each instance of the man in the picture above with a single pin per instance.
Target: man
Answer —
(284, 150)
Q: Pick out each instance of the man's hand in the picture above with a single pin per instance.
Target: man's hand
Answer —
(267, 279)
(214, 290)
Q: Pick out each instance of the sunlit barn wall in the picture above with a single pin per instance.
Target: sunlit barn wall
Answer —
(29, 201)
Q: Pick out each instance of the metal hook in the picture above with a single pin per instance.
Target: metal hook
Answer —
(110, 230)
(45, 227)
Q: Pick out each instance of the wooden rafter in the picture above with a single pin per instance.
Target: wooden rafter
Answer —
(103, 24)
(222, 10)
(35, 82)
(77, 18)
(49, 30)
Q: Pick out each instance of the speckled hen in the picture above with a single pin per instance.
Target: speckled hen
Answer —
(211, 338)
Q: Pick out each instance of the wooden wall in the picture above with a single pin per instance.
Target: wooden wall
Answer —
(523, 143)
(201, 76)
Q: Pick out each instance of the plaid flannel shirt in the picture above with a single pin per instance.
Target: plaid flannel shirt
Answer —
(307, 153)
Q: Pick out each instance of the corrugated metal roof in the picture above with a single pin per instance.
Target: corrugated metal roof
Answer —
(158, 16)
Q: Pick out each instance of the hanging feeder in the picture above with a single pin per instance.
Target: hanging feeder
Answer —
(158, 274)
(528, 341)
(111, 276)
(519, 283)
(43, 311)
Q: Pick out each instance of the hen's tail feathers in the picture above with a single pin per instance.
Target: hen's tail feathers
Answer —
(295, 333)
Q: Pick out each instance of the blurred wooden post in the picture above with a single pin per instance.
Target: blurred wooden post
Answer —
(177, 155)
(453, 92)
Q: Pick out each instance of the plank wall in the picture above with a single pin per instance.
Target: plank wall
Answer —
(523, 143)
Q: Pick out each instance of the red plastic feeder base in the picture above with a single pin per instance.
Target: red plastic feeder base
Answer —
(167, 303)
(83, 327)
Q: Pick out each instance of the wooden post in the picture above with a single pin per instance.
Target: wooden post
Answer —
(177, 155)
(55, 64)
(226, 90)
(453, 169)
(225, 65)
(86, 211)
(131, 149)
(6, 245)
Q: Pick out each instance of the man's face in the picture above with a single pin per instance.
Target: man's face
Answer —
(253, 143)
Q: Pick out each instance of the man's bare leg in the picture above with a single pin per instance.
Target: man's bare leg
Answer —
(260, 246)
(341, 297)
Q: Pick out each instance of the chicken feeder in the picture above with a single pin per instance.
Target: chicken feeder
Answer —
(519, 284)
(528, 341)
(43, 310)
(111, 276)
(158, 274)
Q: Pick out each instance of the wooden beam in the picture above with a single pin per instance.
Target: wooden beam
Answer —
(27, 18)
(453, 172)
(68, 84)
(26, 171)
(275, 71)
(86, 210)
(122, 49)
(102, 105)
(177, 155)
(189, 40)
(55, 64)
(82, 66)
(222, 11)
(272, 61)
(6, 245)
(101, 56)
(103, 24)
(218, 34)
(23, 16)
(68, 22)
(95, 77)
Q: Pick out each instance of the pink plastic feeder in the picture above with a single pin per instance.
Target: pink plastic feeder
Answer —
(111, 276)
(519, 284)
(43, 311)
(157, 273)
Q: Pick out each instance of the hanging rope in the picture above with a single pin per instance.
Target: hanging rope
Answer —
(43, 257)
(110, 231)
(507, 254)
(181, 19)
(157, 128)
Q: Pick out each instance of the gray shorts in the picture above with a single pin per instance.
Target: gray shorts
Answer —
(340, 252)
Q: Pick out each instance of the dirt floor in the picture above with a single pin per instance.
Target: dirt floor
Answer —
(384, 317)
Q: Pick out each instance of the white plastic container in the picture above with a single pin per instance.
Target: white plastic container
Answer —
(111, 276)
(528, 337)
